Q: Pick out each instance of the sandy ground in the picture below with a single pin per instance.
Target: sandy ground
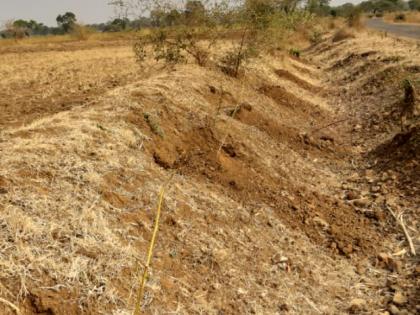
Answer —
(281, 208)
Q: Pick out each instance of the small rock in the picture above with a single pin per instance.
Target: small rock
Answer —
(395, 265)
(387, 261)
(241, 291)
(352, 195)
(399, 298)
(383, 257)
(322, 223)
(361, 203)
(278, 259)
(370, 176)
(283, 308)
(357, 305)
(379, 215)
(3, 191)
(384, 176)
(327, 138)
(345, 186)
(394, 310)
(246, 106)
(361, 269)
(212, 89)
(375, 189)
(357, 127)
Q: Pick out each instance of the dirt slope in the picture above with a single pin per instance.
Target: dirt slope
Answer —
(257, 217)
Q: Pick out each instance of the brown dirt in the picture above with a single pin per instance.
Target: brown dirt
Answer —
(302, 83)
(33, 87)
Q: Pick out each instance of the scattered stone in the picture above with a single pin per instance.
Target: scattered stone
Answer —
(327, 138)
(379, 215)
(388, 262)
(241, 291)
(361, 267)
(370, 176)
(383, 257)
(283, 308)
(396, 266)
(399, 298)
(278, 259)
(361, 203)
(322, 223)
(394, 310)
(352, 195)
(345, 186)
(357, 127)
(246, 106)
(347, 249)
(212, 89)
(357, 305)
(375, 189)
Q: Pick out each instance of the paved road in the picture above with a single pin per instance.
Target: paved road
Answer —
(403, 30)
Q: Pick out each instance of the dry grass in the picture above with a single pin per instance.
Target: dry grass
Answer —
(80, 187)
(342, 34)
(86, 35)
(87, 183)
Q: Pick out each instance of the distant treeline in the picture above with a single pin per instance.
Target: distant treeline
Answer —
(23, 28)
(377, 7)
(193, 8)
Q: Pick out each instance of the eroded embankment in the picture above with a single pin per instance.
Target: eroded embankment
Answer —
(256, 217)
(377, 90)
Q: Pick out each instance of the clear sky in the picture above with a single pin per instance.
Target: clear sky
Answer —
(46, 11)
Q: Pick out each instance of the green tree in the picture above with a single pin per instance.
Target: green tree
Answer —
(157, 17)
(259, 12)
(195, 12)
(118, 25)
(414, 5)
(66, 21)
(172, 18)
(320, 7)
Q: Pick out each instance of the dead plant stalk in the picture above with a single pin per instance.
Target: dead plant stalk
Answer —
(400, 221)
(140, 294)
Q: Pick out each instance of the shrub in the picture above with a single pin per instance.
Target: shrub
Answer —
(173, 46)
(315, 37)
(261, 24)
(81, 32)
(354, 18)
(11, 30)
(399, 17)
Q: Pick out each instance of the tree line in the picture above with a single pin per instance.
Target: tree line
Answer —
(194, 9)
